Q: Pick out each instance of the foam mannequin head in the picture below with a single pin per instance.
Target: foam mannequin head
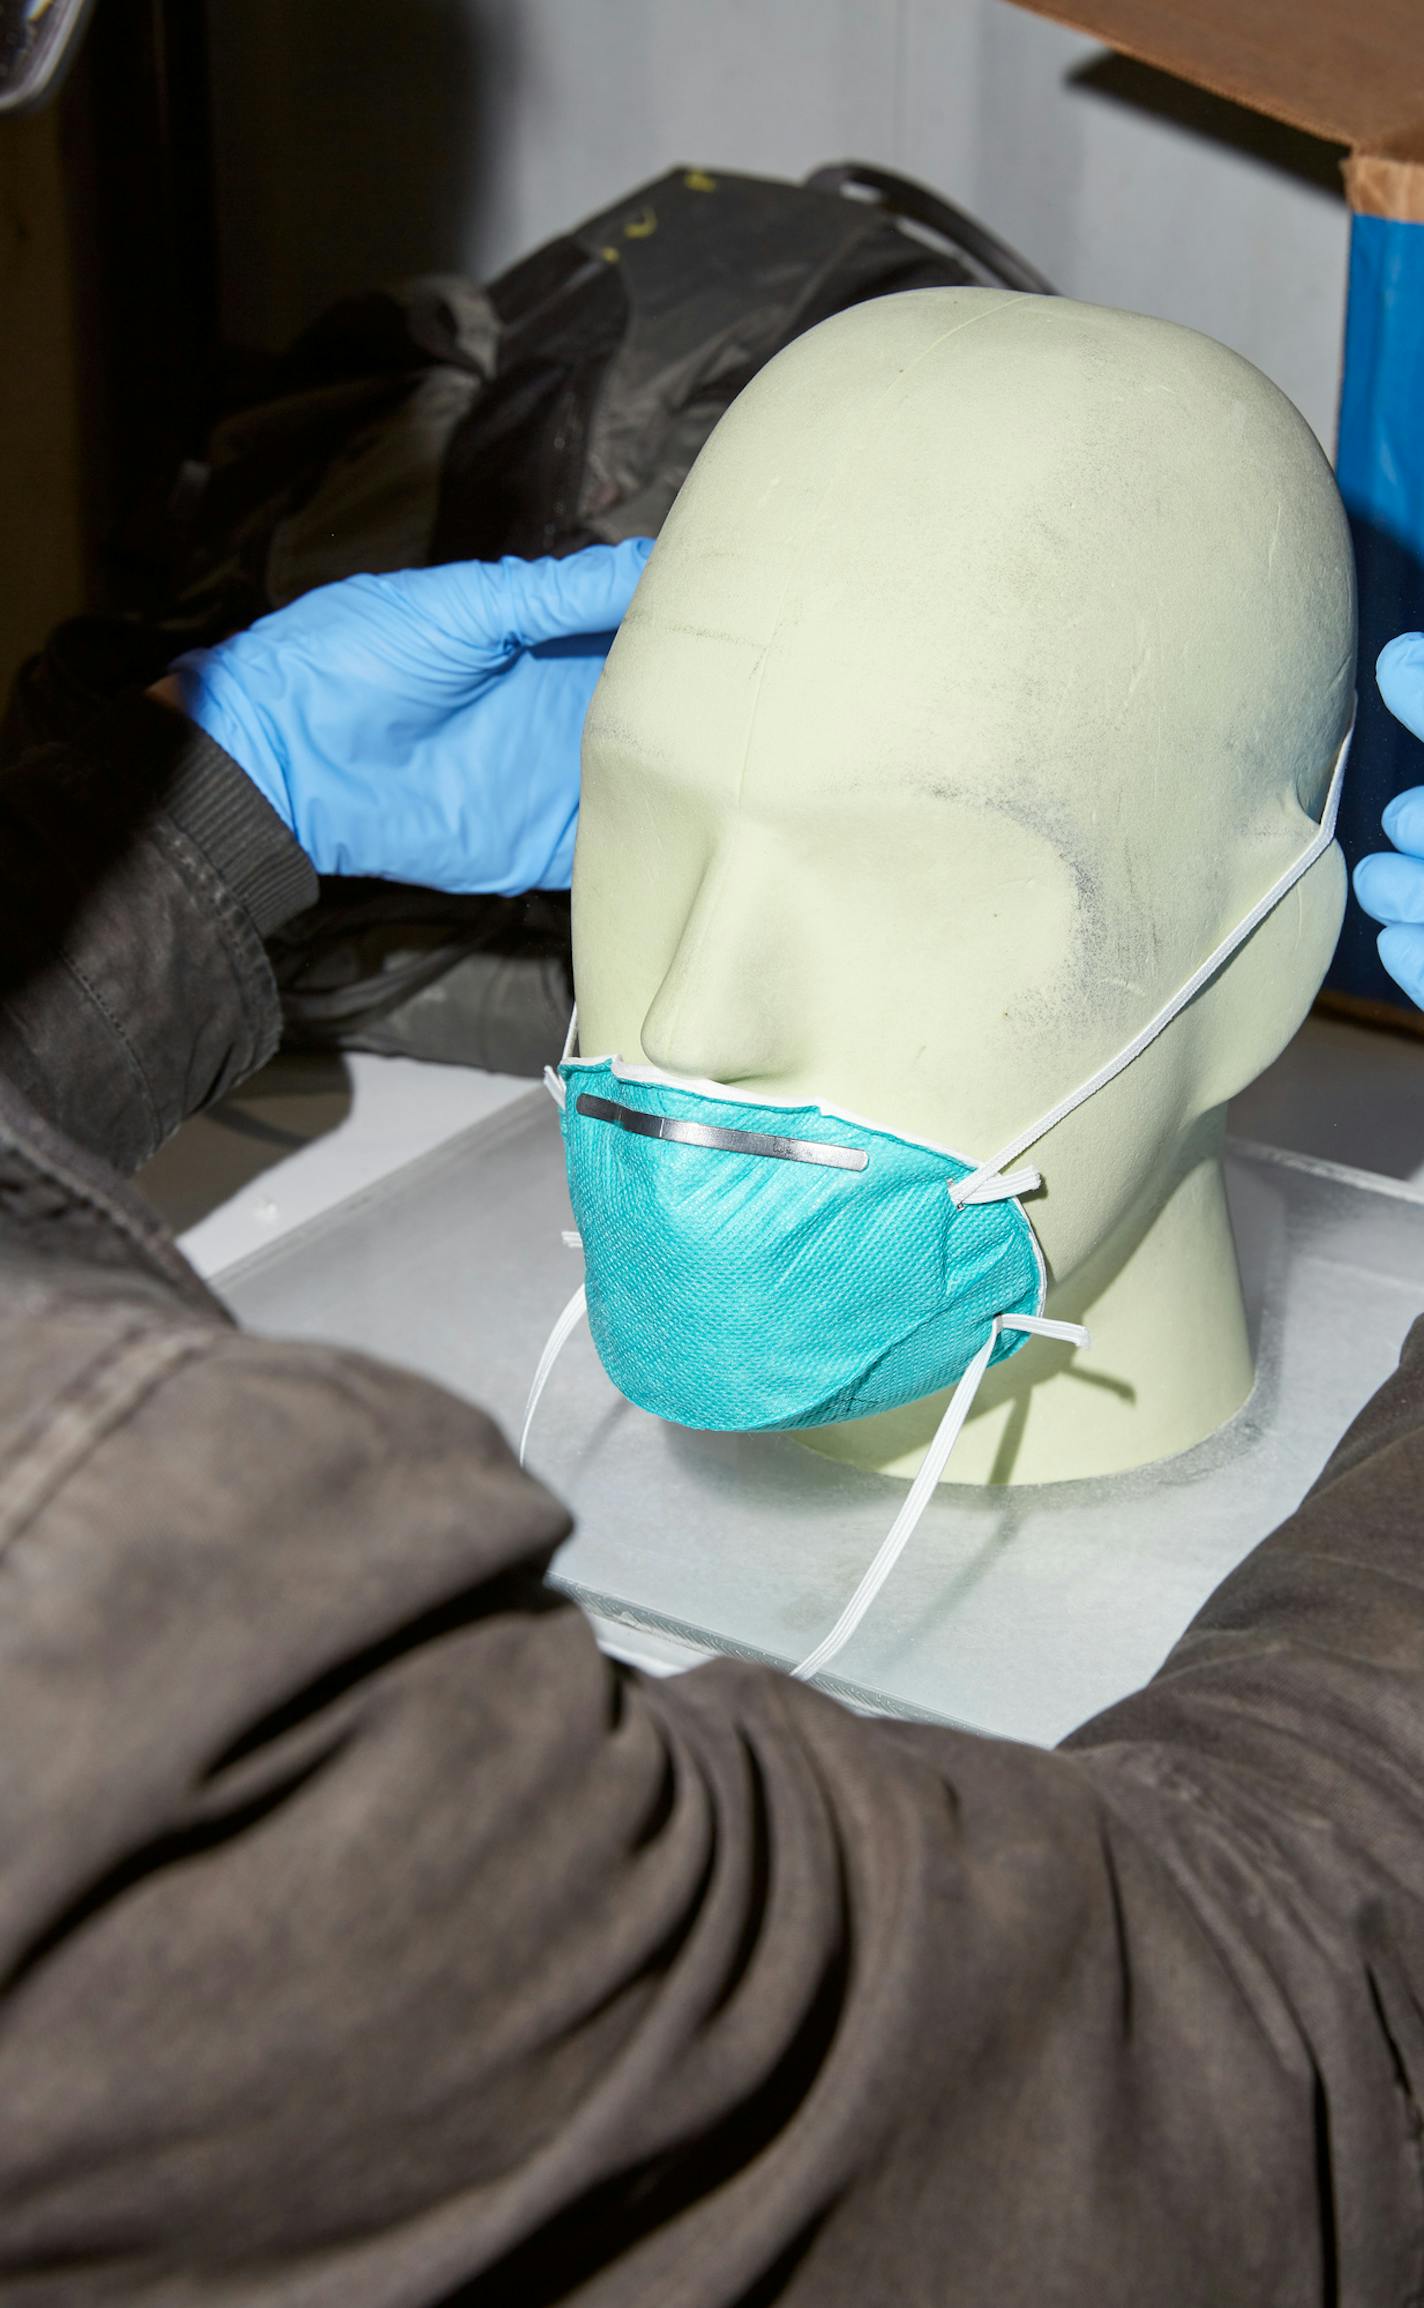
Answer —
(991, 664)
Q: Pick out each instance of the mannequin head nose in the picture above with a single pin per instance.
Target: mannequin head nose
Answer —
(731, 1006)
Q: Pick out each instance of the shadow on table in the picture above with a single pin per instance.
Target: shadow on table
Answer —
(296, 1099)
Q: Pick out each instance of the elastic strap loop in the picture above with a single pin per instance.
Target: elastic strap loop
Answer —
(558, 1338)
(995, 1189)
(1045, 1326)
(975, 1188)
(552, 1081)
(936, 1458)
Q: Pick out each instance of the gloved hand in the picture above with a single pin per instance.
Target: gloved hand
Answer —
(424, 727)
(1390, 885)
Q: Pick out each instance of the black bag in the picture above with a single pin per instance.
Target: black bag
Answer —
(562, 404)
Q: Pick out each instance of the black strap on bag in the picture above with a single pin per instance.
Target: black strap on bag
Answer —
(958, 233)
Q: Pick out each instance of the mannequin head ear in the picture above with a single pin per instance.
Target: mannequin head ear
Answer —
(1262, 998)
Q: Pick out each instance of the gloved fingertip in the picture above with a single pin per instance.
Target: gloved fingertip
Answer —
(1403, 821)
(1390, 887)
(1401, 949)
(583, 593)
(1362, 883)
(628, 558)
(1399, 676)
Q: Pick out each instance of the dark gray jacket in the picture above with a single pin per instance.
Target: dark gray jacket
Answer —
(368, 1941)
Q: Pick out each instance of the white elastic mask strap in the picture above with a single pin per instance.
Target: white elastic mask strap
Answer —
(936, 1458)
(552, 1081)
(991, 1187)
(976, 1188)
(558, 1338)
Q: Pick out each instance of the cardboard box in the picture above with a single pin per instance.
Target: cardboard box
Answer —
(1351, 71)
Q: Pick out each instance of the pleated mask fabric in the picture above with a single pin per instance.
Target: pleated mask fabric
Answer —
(762, 1266)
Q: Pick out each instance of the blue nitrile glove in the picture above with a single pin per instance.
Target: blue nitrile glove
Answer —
(424, 727)
(1390, 885)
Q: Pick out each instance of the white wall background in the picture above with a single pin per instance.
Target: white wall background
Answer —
(347, 156)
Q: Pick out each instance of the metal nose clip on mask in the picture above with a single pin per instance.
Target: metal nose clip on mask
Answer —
(752, 1264)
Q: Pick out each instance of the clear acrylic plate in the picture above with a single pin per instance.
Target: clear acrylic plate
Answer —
(1019, 1611)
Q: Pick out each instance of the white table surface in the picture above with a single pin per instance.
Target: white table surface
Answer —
(307, 1137)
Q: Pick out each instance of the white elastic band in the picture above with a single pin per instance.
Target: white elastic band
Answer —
(567, 1323)
(892, 1546)
(552, 1081)
(995, 1189)
(975, 1189)
(961, 1402)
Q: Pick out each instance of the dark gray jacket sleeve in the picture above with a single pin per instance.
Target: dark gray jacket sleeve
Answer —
(140, 870)
(366, 1938)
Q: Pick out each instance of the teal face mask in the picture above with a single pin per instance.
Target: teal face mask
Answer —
(754, 1264)
(804, 1267)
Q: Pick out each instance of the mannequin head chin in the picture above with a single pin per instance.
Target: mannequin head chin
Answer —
(991, 665)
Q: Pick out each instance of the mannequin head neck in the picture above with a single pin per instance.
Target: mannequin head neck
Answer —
(991, 664)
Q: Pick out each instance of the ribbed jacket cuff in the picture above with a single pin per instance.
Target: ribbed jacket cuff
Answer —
(204, 793)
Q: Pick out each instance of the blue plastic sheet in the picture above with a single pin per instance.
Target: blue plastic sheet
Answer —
(1380, 467)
